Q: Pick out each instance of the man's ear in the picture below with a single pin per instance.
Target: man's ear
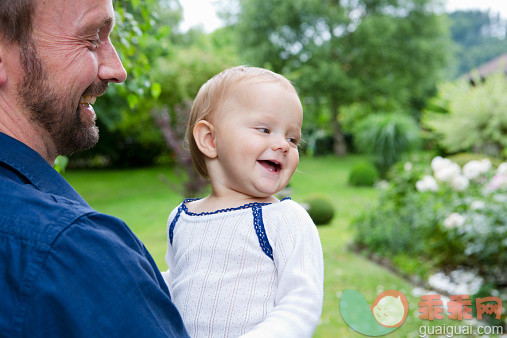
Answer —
(204, 136)
(3, 71)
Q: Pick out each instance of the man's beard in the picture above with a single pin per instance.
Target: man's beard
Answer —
(54, 113)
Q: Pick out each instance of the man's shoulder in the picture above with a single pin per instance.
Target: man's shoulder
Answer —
(63, 254)
(34, 215)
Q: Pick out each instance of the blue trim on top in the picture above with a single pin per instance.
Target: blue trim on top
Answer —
(173, 223)
(261, 231)
(245, 206)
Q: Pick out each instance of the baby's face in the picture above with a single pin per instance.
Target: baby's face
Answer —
(257, 136)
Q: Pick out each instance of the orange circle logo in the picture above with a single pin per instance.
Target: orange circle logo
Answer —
(390, 308)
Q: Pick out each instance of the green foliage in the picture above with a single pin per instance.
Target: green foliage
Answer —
(480, 37)
(317, 143)
(476, 119)
(447, 224)
(186, 71)
(320, 209)
(386, 137)
(363, 174)
(352, 114)
(61, 163)
(137, 38)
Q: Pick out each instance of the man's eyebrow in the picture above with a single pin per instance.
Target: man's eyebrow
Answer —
(106, 22)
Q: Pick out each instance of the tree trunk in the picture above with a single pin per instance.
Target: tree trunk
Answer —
(339, 146)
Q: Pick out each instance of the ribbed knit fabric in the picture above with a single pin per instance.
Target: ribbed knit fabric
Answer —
(225, 285)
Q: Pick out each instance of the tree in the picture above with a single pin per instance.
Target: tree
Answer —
(480, 37)
(344, 52)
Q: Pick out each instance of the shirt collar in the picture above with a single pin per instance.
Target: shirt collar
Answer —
(28, 163)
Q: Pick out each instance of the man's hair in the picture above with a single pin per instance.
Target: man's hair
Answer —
(214, 93)
(16, 20)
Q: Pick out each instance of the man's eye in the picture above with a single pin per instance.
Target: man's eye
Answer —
(94, 44)
(263, 130)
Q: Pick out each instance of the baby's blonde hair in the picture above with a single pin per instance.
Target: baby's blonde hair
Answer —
(213, 94)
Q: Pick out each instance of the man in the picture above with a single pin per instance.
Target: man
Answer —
(65, 269)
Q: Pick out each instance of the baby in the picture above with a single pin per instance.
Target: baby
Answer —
(241, 262)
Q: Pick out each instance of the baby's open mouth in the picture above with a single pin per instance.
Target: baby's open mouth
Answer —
(270, 165)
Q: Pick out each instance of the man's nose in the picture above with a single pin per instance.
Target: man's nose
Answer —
(110, 68)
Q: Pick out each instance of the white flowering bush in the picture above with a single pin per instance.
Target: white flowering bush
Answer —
(442, 215)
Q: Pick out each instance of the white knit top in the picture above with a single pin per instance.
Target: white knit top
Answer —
(254, 270)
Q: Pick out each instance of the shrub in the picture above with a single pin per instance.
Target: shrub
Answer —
(320, 209)
(450, 216)
(386, 137)
(363, 174)
(474, 118)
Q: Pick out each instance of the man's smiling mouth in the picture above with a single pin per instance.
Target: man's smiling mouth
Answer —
(88, 99)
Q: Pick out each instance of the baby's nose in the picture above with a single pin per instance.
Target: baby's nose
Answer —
(282, 144)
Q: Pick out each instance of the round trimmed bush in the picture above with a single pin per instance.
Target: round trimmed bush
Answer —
(363, 174)
(320, 209)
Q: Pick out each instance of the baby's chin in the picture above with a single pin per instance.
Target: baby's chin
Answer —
(267, 197)
(265, 189)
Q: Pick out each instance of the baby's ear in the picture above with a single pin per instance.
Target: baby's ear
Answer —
(204, 136)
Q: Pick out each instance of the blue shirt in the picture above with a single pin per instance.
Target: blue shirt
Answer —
(67, 270)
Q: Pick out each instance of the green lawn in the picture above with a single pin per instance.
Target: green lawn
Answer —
(144, 201)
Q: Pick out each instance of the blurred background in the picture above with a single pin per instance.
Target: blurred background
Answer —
(404, 134)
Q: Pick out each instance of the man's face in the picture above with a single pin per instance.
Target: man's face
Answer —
(67, 64)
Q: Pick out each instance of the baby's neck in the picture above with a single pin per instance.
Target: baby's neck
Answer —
(213, 203)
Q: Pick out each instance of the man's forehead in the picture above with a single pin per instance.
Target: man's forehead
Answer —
(78, 13)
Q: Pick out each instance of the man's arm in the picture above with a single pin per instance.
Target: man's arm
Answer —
(99, 280)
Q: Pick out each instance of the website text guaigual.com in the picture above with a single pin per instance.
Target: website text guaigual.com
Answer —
(450, 331)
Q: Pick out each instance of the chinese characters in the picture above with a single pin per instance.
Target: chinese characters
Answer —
(459, 307)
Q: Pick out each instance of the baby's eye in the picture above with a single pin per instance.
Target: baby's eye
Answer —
(293, 140)
(263, 130)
